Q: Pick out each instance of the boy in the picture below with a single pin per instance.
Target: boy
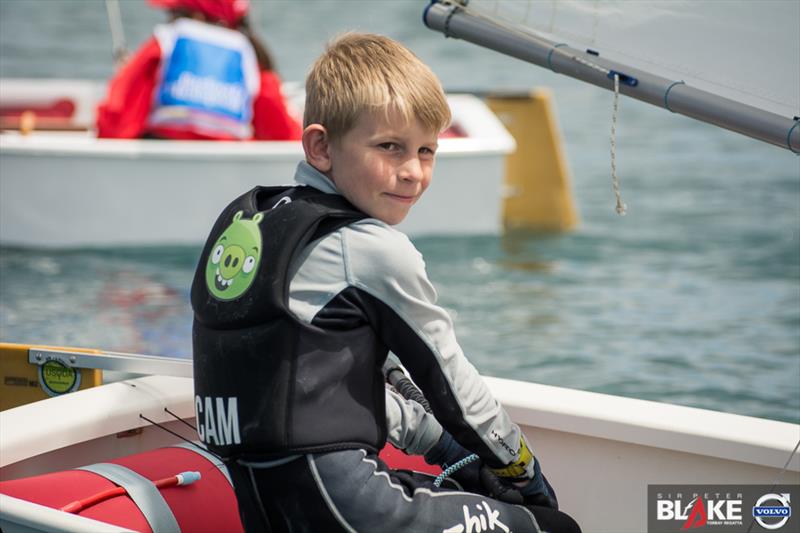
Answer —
(299, 295)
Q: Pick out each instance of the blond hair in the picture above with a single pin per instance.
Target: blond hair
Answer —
(367, 72)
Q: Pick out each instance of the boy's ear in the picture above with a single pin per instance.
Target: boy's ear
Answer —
(316, 145)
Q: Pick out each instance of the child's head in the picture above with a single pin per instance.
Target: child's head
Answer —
(232, 14)
(227, 12)
(367, 72)
(372, 117)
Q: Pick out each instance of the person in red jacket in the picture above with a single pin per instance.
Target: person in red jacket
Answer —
(203, 75)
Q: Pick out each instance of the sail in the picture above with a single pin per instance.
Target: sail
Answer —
(738, 62)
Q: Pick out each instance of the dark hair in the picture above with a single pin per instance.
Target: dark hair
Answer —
(262, 55)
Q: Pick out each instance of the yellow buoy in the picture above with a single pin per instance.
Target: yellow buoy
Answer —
(538, 196)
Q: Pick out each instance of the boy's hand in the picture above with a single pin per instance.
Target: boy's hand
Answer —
(447, 452)
(536, 491)
(478, 478)
(522, 468)
(500, 489)
(525, 475)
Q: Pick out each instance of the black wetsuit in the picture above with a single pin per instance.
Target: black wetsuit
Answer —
(301, 354)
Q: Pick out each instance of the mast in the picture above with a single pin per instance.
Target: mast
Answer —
(453, 20)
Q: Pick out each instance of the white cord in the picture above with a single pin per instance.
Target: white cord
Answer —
(621, 207)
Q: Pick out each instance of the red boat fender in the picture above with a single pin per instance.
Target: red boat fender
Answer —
(207, 504)
(62, 108)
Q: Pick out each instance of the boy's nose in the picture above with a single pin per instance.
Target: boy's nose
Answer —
(411, 170)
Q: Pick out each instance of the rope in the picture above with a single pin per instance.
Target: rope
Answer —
(454, 468)
(409, 391)
(395, 375)
(184, 439)
(191, 444)
(179, 419)
(621, 207)
(397, 378)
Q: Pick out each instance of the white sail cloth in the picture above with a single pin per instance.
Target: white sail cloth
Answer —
(745, 51)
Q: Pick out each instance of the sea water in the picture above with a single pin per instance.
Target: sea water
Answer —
(692, 298)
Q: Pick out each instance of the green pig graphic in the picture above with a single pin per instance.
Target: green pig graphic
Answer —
(234, 258)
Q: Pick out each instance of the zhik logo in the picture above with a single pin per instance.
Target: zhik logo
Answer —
(487, 519)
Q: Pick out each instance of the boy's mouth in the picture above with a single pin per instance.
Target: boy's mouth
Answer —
(401, 197)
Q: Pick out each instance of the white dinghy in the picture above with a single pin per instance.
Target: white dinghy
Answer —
(600, 452)
(69, 189)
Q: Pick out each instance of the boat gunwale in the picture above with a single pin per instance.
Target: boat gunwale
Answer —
(74, 418)
(82, 145)
(693, 430)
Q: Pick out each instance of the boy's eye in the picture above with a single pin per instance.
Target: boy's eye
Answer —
(427, 151)
(389, 147)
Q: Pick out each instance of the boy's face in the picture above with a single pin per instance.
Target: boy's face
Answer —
(383, 165)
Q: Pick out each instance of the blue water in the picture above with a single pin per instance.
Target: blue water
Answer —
(692, 298)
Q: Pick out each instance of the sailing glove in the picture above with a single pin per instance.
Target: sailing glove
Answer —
(535, 492)
(447, 452)
(523, 477)
(538, 491)
(478, 478)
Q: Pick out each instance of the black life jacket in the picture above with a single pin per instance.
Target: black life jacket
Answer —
(268, 384)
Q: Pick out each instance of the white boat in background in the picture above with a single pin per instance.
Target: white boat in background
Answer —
(600, 452)
(69, 189)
